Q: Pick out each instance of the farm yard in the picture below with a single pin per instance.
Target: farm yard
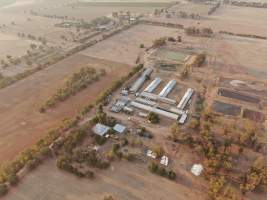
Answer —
(149, 99)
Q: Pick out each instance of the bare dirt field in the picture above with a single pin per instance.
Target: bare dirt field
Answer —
(190, 7)
(124, 47)
(131, 181)
(12, 45)
(239, 20)
(22, 124)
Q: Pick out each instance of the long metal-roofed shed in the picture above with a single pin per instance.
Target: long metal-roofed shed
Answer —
(187, 96)
(156, 97)
(155, 110)
(153, 85)
(140, 81)
(167, 89)
(100, 129)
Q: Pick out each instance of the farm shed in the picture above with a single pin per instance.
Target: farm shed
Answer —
(140, 81)
(168, 88)
(100, 129)
(155, 110)
(187, 96)
(153, 85)
(119, 128)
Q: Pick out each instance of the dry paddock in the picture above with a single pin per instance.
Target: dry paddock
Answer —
(20, 121)
(124, 47)
(131, 181)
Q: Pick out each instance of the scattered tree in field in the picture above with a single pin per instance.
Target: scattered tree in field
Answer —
(142, 46)
(179, 38)
(3, 190)
(33, 46)
(159, 151)
(108, 197)
(159, 42)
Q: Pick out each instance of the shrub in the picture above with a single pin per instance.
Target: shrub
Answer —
(153, 118)
(156, 169)
(100, 140)
(3, 190)
(159, 42)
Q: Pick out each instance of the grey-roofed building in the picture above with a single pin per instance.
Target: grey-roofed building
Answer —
(119, 128)
(168, 88)
(100, 129)
(187, 96)
(140, 81)
(155, 110)
(153, 85)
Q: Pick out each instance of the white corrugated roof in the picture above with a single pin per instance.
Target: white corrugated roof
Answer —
(100, 129)
(119, 128)
(197, 169)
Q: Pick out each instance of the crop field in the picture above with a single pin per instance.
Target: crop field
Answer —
(20, 103)
(125, 47)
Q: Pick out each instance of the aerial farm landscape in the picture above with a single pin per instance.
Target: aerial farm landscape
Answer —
(133, 100)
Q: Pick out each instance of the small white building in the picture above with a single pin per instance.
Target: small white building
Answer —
(164, 160)
(151, 154)
(197, 169)
(119, 128)
(100, 129)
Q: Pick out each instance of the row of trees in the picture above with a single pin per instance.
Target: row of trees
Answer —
(77, 82)
(204, 32)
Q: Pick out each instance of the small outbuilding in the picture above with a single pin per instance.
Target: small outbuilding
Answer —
(100, 129)
(197, 169)
(119, 128)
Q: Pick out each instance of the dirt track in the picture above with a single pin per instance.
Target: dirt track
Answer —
(20, 121)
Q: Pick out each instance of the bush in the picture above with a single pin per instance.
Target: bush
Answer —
(142, 46)
(100, 140)
(159, 42)
(3, 190)
(13, 179)
(156, 169)
(153, 118)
